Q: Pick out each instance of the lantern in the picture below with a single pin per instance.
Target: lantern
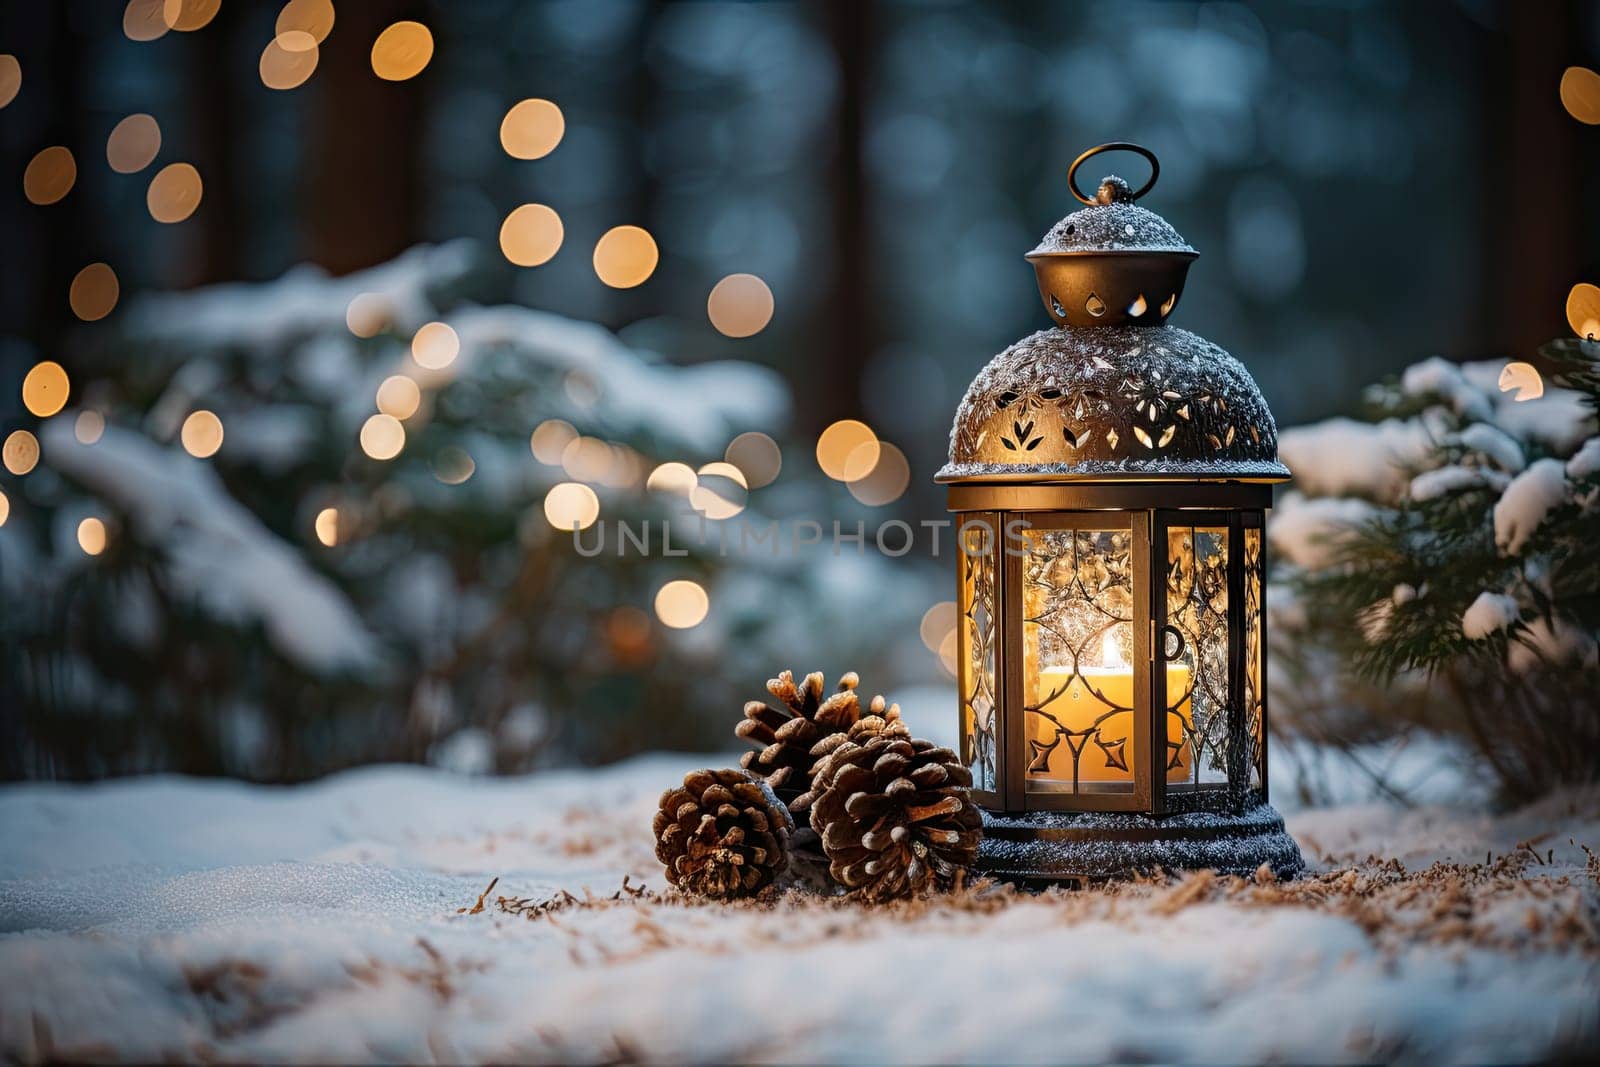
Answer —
(1111, 479)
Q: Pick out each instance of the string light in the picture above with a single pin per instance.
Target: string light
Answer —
(571, 504)
(20, 453)
(435, 346)
(740, 305)
(94, 292)
(938, 622)
(201, 434)
(550, 439)
(5, 508)
(758, 456)
(531, 235)
(45, 389)
(89, 426)
(314, 17)
(532, 129)
(679, 479)
(399, 396)
(453, 465)
(133, 144)
(1583, 310)
(174, 193)
(1580, 94)
(382, 437)
(288, 60)
(186, 16)
(886, 481)
(720, 491)
(588, 459)
(92, 536)
(144, 20)
(847, 450)
(682, 604)
(366, 314)
(625, 256)
(327, 526)
(49, 175)
(402, 51)
(10, 78)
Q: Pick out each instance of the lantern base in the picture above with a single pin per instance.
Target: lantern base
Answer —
(1055, 847)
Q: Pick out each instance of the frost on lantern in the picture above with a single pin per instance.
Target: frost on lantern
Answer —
(1112, 478)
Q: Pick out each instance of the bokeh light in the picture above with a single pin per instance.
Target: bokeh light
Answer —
(887, 479)
(144, 20)
(435, 346)
(938, 622)
(588, 459)
(5, 508)
(366, 314)
(174, 193)
(550, 439)
(1583, 310)
(92, 536)
(402, 51)
(948, 649)
(740, 305)
(288, 60)
(720, 491)
(20, 452)
(678, 479)
(1524, 379)
(758, 456)
(89, 427)
(399, 396)
(187, 16)
(1580, 94)
(49, 175)
(532, 129)
(133, 144)
(327, 526)
(625, 256)
(10, 78)
(531, 235)
(571, 504)
(453, 465)
(45, 388)
(94, 292)
(201, 434)
(382, 437)
(630, 631)
(847, 450)
(314, 17)
(681, 604)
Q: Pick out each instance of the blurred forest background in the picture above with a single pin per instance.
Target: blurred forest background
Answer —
(1367, 183)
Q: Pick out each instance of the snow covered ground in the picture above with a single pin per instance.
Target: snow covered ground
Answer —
(168, 918)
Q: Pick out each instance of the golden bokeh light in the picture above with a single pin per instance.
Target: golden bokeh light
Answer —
(588, 459)
(937, 622)
(1583, 310)
(366, 314)
(625, 256)
(5, 508)
(314, 17)
(174, 193)
(1580, 94)
(399, 396)
(382, 437)
(144, 20)
(133, 144)
(532, 129)
(550, 439)
(531, 235)
(678, 479)
(847, 450)
(571, 504)
(435, 346)
(1522, 378)
(201, 434)
(947, 653)
(682, 604)
(45, 389)
(20, 452)
(94, 292)
(453, 465)
(89, 426)
(327, 526)
(186, 16)
(720, 491)
(886, 481)
(740, 305)
(288, 60)
(92, 536)
(758, 456)
(402, 51)
(629, 631)
(10, 78)
(49, 175)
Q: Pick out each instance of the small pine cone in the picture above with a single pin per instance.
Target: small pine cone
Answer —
(723, 834)
(787, 734)
(894, 814)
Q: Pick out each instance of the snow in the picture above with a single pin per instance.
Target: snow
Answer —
(1343, 457)
(1496, 444)
(1308, 532)
(1489, 613)
(1430, 485)
(178, 919)
(1586, 461)
(1525, 503)
(218, 552)
(1439, 377)
(1115, 227)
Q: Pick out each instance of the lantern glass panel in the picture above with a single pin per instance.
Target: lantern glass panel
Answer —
(1195, 646)
(975, 651)
(1255, 707)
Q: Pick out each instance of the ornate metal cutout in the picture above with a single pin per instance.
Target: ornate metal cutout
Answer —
(976, 665)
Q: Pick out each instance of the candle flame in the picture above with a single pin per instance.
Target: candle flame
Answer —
(1111, 651)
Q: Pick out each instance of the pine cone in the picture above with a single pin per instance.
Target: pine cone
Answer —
(788, 733)
(723, 834)
(893, 812)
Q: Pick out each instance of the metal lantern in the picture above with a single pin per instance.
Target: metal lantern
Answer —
(1111, 479)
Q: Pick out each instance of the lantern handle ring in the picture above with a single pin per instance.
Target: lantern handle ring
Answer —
(1113, 146)
(1173, 632)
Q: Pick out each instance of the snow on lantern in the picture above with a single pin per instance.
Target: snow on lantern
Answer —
(1111, 479)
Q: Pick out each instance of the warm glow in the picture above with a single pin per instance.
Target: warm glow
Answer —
(948, 650)
(1111, 656)
(133, 144)
(435, 346)
(10, 78)
(888, 478)
(1580, 94)
(327, 526)
(188, 15)
(740, 305)
(453, 465)
(366, 314)
(399, 396)
(144, 20)
(94, 292)
(21, 452)
(45, 389)
(1583, 310)
(288, 60)
(847, 450)
(382, 437)
(625, 256)
(588, 459)
(531, 235)
(89, 427)
(1524, 379)
(92, 536)
(314, 17)
(5, 508)
(681, 604)
(758, 456)
(571, 504)
(401, 51)
(676, 478)
(49, 175)
(201, 434)
(532, 129)
(174, 193)
(938, 622)
(550, 440)
(720, 491)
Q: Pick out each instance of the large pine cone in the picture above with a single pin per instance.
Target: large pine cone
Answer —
(723, 834)
(893, 813)
(787, 734)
